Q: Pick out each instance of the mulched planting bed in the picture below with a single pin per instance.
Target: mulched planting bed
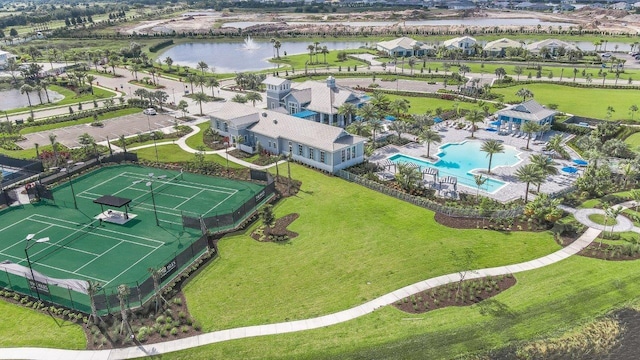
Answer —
(609, 252)
(278, 232)
(478, 223)
(468, 292)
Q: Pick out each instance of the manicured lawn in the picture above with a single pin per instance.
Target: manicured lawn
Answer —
(298, 61)
(354, 245)
(600, 219)
(173, 153)
(544, 303)
(196, 141)
(26, 327)
(85, 120)
(634, 141)
(590, 102)
(420, 105)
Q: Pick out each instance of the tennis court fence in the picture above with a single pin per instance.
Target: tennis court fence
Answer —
(230, 221)
(106, 299)
(24, 169)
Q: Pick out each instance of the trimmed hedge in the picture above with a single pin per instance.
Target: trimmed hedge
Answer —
(160, 45)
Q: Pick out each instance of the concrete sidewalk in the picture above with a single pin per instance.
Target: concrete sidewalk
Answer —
(299, 325)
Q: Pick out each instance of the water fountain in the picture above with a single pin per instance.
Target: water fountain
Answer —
(249, 44)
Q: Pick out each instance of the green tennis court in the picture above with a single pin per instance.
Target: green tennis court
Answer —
(82, 247)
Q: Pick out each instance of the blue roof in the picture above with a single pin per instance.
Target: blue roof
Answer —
(305, 114)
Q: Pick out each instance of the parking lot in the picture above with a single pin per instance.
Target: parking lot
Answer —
(113, 128)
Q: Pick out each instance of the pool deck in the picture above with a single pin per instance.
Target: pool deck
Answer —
(513, 189)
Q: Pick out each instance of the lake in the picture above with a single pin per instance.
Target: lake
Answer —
(13, 99)
(230, 57)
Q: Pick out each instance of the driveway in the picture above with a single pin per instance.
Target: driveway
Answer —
(113, 128)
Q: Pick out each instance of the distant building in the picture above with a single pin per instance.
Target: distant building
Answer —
(404, 47)
(4, 58)
(461, 5)
(498, 47)
(321, 146)
(313, 100)
(464, 43)
(551, 44)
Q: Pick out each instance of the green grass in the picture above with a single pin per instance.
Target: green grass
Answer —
(298, 61)
(173, 153)
(600, 219)
(70, 98)
(196, 140)
(354, 245)
(590, 102)
(25, 327)
(545, 302)
(420, 105)
(84, 120)
(633, 141)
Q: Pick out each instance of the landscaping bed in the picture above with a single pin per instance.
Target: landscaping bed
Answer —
(620, 252)
(279, 231)
(465, 293)
(517, 224)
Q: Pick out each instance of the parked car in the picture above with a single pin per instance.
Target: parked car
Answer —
(150, 111)
(606, 55)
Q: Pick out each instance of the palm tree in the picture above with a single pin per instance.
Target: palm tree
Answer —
(277, 45)
(359, 128)
(202, 66)
(407, 176)
(156, 275)
(316, 47)
(492, 147)
(604, 77)
(480, 180)
(529, 174)
(375, 124)
(633, 110)
(399, 106)
(200, 98)
(183, 106)
(399, 127)
(44, 83)
(26, 89)
(474, 116)
(253, 97)
(38, 90)
(200, 81)
(530, 127)
(428, 137)
(90, 79)
(311, 48)
(347, 110)
(54, 146)
(212, 83)
(92, 290)
(134, 70)
(380, 102)
(555, 144)
(525, 93)
(518, 70)
(544, 164)
(191, 78)
(412, 63)
(123, 143)
(123, 296)
(324, 51)
(169, 62)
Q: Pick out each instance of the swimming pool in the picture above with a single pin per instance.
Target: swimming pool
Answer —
(459, 159)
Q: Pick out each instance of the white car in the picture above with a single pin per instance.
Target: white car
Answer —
(150, 111)
(606, 55)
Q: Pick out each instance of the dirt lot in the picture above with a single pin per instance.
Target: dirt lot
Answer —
(113, 128)
(606, 20)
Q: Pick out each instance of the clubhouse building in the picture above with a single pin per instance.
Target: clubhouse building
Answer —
(322, 146)
(513, 118)
(312, 100)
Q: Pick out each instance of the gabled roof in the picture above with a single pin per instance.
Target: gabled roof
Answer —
(402, 42)
(272, 80)
(528, 110)
(324, 99)
(302, 96)
(457, 40)
(237, 114)
(316, 135)
(536, 46)
(498, 45)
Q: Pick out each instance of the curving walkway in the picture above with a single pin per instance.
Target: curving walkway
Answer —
(622, 224)
(299, 325)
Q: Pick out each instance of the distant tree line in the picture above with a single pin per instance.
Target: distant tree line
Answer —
(45, 14)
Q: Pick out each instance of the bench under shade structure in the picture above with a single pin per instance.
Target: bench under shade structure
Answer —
(114, 216)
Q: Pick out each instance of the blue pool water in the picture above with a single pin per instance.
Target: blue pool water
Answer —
(460, 159)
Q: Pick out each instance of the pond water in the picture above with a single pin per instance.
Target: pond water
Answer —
(448, 22)
(229, 57)
(13, 99)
